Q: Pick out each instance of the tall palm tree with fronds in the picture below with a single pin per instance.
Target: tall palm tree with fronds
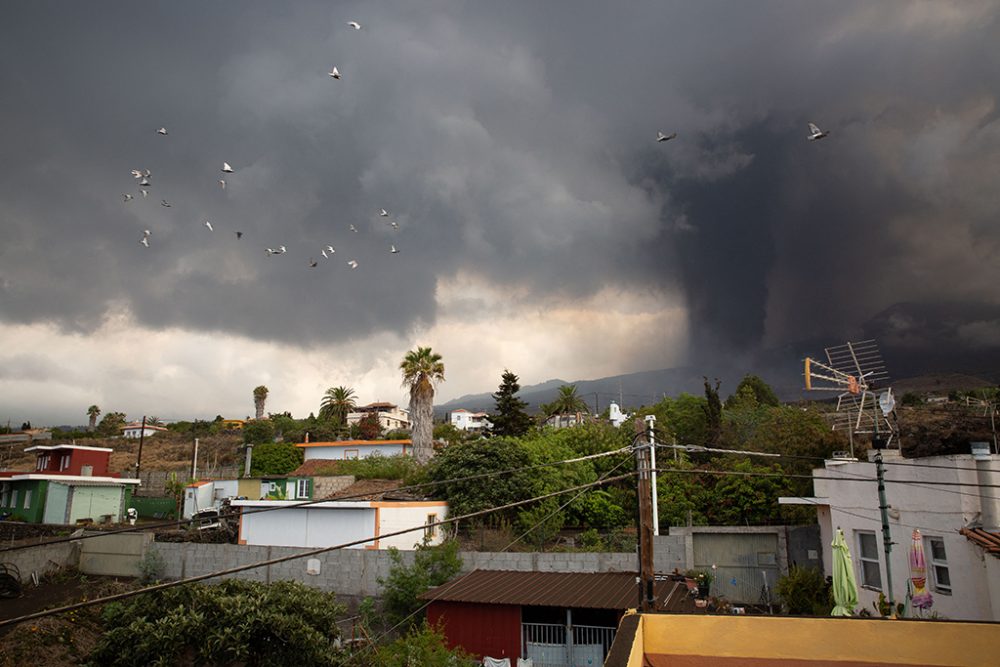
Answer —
(93, 411)
(337, 402)
(259, 396)
(421, 368)
(566, 403)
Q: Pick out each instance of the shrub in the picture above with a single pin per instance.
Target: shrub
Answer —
(151, 566)
(432, 566)
(804, 590)
(275, 458)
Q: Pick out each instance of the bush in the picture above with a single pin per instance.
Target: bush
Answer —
(376, 466)
(151, 566)
(432, 566)
(424, 646)
(275, 458)
(805, 591)
(235, 622)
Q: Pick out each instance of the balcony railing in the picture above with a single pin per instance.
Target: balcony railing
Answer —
(551, 645)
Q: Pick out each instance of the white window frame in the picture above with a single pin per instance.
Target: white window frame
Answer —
(27, 499)
(13, 499)
(868, 560)
(933, 564)
(430, 530)
(64, 462)
(302, 488)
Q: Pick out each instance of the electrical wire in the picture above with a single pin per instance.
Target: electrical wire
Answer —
(305, 554)
(305, 503)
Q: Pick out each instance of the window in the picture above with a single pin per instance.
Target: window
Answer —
(937, 565)
(27, 499)
(430, 530)
(871, 575)
(302, 490)
(13, 499)
(5, 495)
(350, 453)
(64, 462)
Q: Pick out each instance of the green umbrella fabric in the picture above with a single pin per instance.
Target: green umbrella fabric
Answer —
(845, 587)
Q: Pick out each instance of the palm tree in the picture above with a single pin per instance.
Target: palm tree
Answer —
(566, 403)
(259, 396)
(93, 411)
(337, 402)
(421, 369)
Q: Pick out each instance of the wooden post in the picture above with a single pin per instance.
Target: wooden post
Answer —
(645, 519)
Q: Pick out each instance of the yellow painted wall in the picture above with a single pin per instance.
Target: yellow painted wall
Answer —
(249, 488)
(849, 639)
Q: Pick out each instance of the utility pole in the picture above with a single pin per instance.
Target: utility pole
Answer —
(651, 437)
(644, 520)
(879, 442)
(194, 460)
(142, 437)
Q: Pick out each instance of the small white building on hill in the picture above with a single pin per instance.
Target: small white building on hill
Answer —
(354, 449)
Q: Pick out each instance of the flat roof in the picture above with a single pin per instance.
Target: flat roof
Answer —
(70, 479)
(355, 443)
(52, 447)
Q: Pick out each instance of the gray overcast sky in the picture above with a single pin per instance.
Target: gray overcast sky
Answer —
(541, 227)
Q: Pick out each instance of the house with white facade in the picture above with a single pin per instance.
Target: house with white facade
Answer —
(354, 449)
(368, 522)
(953, 500)
(475, 422)
(390, 416)
(137, 430)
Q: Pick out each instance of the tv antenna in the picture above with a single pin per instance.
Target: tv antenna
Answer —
(854, 371)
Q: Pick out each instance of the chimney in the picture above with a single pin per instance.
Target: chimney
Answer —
(988, 477)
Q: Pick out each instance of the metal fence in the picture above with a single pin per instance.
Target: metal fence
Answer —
(550, 645)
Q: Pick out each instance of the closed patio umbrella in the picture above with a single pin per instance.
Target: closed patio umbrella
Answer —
(845, 587)
(922, 599)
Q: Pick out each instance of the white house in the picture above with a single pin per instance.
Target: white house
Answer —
(616, 416)
(369, 522)
(464, 420)
(354, 449)
(135, 430)
(941, 496)
(390, 416)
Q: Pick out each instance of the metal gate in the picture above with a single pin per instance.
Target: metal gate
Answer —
(746, 564)
(550, 645)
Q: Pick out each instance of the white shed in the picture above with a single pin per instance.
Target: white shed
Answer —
(354, 449)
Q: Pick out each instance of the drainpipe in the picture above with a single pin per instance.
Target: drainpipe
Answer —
(987, 477)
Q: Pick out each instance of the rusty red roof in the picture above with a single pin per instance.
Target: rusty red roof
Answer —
(989, 541)
(591, 590)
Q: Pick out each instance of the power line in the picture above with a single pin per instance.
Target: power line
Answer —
(306, 554)
(305, 503)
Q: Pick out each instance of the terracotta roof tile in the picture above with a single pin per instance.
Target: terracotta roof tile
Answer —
(988, 540)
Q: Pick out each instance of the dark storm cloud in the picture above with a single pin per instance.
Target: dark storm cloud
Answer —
(513, 142)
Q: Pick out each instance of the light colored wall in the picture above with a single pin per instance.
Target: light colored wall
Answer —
(364, 451)
(114, 555)
(937, 510)
(308, 527)
(399, 516)
(198, 498)
(90, 502)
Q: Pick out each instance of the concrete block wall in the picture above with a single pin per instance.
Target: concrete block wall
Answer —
(114, 555)
(43, 559)
(326, 485)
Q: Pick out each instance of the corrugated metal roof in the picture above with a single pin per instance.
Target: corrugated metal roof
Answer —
(987, 540)
(589, 590)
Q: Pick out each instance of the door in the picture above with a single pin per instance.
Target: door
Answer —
(744, 562)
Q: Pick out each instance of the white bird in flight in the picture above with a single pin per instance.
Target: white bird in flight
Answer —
(335, 73)
(226, 168)
(354, 24)
(313, 263)
(665, 137)
(275, 251)
(136, 173)
(128, 197)
(353, 263)
(209, 225)
(162, 131)
(330, 249)
(164, 202)
(393, 250)
(383, 213)
(222, 183)
(145, 193)
(144, 182)
(816, 133)
(323, 252)
(353, 228)
(146, 232)
(394, 224)
(145, 241)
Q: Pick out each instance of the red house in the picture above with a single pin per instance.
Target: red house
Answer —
(554, 618)
(72, 460)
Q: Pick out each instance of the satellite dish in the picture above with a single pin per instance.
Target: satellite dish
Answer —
(887, 402)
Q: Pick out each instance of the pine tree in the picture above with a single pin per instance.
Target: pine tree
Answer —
(510, 419)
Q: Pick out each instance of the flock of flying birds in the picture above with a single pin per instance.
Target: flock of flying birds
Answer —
(143, 176)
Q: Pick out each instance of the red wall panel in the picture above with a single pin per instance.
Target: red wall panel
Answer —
(480, 629)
